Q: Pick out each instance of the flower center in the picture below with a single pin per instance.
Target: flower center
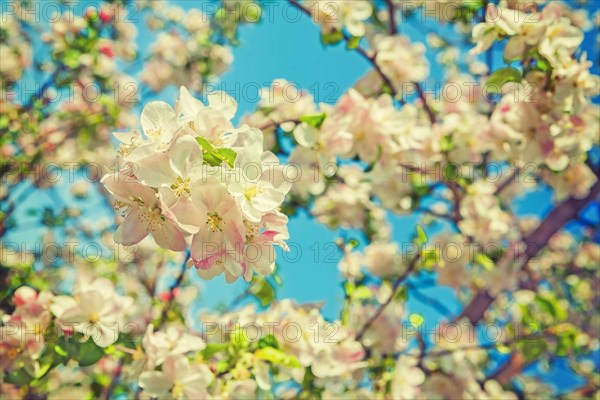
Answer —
(252, 192)
(154, 133)
(153, 216)
(177, 390)
(181, 187)
(94, 317)
(214, 221)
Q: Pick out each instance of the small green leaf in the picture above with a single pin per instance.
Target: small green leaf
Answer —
(353, 42)
(205, 144)
(277, 357)
(362, 293)
(533, 348)
(213, 348)
(402, 294)
(421, 235)
(215, 156)
(484, 261)
(268, 341)
(60, 351)
(226, 155)
(504, 75)
(314, 120)
(332, 38)
(416, 320)
(263, 291)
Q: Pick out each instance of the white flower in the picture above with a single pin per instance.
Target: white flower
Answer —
(407, 378)
(177, 379)
(95, 310)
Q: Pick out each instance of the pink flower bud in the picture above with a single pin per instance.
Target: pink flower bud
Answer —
(24, 295)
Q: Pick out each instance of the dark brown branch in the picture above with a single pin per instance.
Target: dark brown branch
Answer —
(392, 17)
(536, 241)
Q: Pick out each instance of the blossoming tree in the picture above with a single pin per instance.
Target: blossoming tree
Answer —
(171, 191)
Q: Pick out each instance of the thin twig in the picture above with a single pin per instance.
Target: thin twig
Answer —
(175, 285)
(395, 288)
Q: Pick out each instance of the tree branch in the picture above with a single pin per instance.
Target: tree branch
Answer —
(536, 241)
(395, 288)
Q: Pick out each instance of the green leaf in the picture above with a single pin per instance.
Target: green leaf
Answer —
(263, 291)
(353, 42)
(226, 155)
(446, 144)
(215, 156)
(551, 305)
(314, 120)
(534, 347)
(402, 294)
(484, 261)
(19, 377)
(362, 293)
(268, 341)
(421, 235)
(89, 353)
(60, 351)
(277, 357)
(332, 38)
(205, 144)
(213, 348)
(430, 258)
(416, 320)
(349, 288)
(504, 75)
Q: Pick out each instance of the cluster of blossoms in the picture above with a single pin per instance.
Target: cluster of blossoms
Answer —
(333, 16)
(15, 51)
(193, 174)
(104, 29)
(185, 55)
(548, 117)
(21, 343)
(70, 117)
(401, 61)
(308, 347)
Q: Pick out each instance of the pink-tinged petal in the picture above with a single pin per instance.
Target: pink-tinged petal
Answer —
(267, 236)
(232, 264)
(167, 235)
(208, 274)
(206, 243)
(208, 261)
(188, 216)
(229, 277)
(155, 170)
(171, 365)
(133, 229)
